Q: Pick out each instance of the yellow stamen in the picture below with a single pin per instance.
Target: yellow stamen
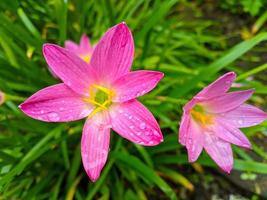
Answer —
(200, 116)
(86, 57)
(101, 97)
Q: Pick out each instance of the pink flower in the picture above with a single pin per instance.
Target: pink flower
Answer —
(104, 91)
(84, 50)
(211, 120)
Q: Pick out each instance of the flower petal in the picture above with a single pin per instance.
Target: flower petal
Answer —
(57, 103)
(220, 151)
(135, 84)
(95, 145)
(194, 141)
(218, 87)
(113, 55)
(183, 130)
(72, 70)
(71, 46)
(244, 116)
(231, 134)
(85, 43)
(227, 102)
(133, 121)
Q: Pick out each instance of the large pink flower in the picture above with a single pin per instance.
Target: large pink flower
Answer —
(211, 120)
(84, 50)
(104, 91)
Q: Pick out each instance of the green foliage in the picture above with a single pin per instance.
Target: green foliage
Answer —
(253, 7)
(42, 160)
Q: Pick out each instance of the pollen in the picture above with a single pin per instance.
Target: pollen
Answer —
(100, 97)
(200, 116)
(86, 57)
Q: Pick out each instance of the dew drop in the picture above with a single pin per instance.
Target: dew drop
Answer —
(240, 121)
(69, 83)
(138, 133)
(42, 112)
(130, 116)
(61, 108)
(131, 127)
(142, 125)
(151, 142)
(53, 117)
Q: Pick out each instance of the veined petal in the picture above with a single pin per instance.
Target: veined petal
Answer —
(220, 151)
(194, 141)
(184, 126)
(72, 70)
(231, 134)
(135, 84)
(227, 102)
(95, 145)
(244, 116)
(218, 87)
(133, 121)
(71, 46)
(57, 103)
(113, 55)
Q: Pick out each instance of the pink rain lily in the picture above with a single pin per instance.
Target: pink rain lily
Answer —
(104, 91)
(211, 120)
(84, 50)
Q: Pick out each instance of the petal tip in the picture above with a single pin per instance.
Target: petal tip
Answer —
(94, 177)
(227, 168)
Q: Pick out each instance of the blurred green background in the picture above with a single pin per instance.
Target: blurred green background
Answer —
(192, 42)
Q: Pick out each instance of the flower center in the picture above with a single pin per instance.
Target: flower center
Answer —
(86, 57)
(200, 116)
(101, 97)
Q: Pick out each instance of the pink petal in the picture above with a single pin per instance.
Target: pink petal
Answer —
(231, 134)
(135, 84)
(133, 121)
(72, 70)
(71, 46)
(194, 141)
(184, 126)
(85, 43)
(218, 87)
(95, 145)
(220, 151)
(57, 103)
(244, 116)
(113, 55)
(227, 102)
(2, 97)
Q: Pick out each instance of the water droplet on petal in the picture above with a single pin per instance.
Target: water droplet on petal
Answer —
(151, 142)
(138, 133)
(130, 116)
(42, 112)
(240, 121)
(131, 127)
(142, 125)
(53, 117)
(61, 108)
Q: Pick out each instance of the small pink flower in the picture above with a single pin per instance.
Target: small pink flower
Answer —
(104, 91)
(84, 50)
(211, 120)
